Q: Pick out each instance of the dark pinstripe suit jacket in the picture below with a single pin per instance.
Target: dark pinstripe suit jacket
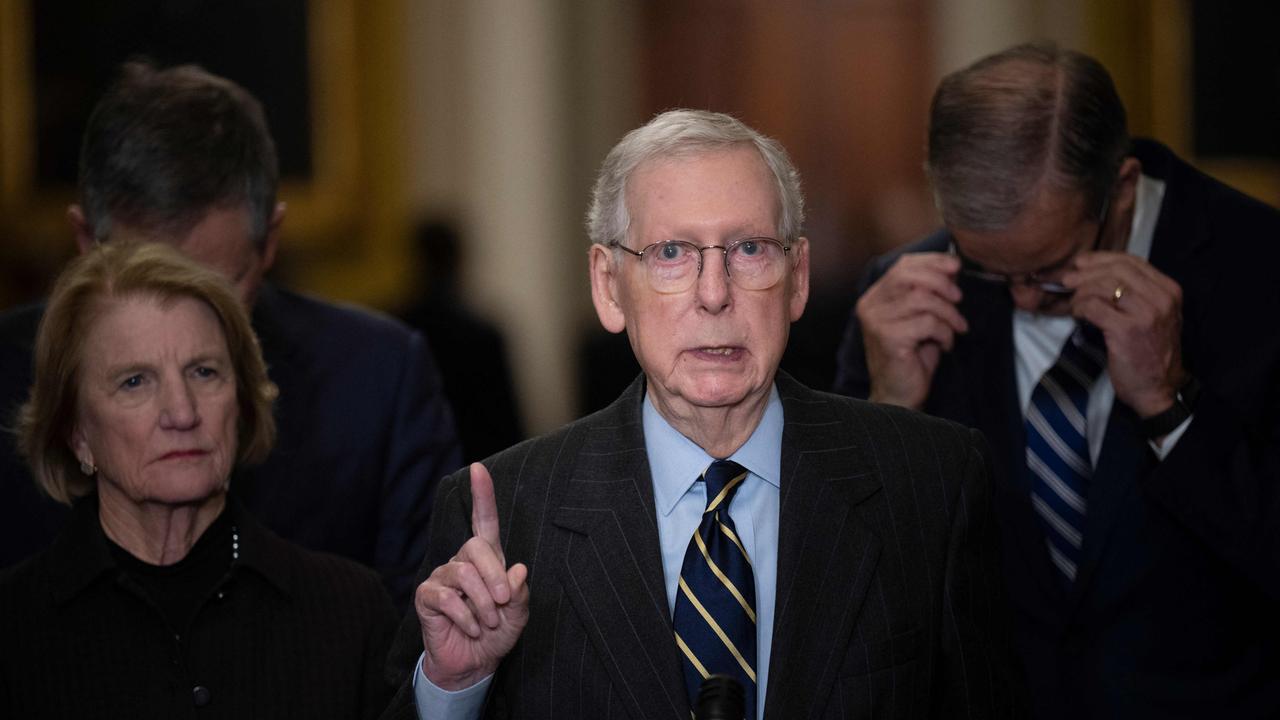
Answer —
(888, 599)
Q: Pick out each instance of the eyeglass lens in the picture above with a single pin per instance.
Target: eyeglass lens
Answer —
(752, 264)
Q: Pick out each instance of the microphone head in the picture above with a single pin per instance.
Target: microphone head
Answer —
(720, 697)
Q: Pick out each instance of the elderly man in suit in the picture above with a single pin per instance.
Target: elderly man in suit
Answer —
(1104, 313)
(186, 156)
(833, 556)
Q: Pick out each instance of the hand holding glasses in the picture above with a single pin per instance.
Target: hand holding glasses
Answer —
(1033, 280)
(969, 268)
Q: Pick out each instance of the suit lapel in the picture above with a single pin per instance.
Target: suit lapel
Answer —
(1125, 456)
(993, 401)
(826, 556)
(986, 353)
(1182, 234)
(1123, 459)
(612, 565)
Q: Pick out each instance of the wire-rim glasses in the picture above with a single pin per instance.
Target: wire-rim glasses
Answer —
(673, 266)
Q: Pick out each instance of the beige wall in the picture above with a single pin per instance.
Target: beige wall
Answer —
(512, 104)
(965, 30)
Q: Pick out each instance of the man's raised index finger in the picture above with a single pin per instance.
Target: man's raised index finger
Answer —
(484, 508)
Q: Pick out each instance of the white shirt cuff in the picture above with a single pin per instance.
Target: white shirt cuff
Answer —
(434, 703)
(1166, 445)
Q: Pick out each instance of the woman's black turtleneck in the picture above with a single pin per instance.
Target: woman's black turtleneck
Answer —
(180, 589)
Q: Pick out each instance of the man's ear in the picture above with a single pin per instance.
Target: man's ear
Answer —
(604, 288)
(80, 228)
(1127, 181)
(1120, 214)
(799, 278)
(273, 237)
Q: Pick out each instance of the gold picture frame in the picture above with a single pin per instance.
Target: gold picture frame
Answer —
(322, 207)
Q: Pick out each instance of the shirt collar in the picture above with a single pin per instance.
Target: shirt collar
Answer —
(80, 555)
(261, 551)
(1148, 198)
(676, 462)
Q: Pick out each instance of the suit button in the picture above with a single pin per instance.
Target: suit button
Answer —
(200, 695)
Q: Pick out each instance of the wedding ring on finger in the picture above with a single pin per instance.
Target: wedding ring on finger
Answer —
(1117, 294)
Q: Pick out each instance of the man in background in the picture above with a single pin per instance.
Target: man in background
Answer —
(470, 351)
(364, 428)
(1106, 315)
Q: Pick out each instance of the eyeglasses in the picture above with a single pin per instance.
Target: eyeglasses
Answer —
(969, 268)
(1033, 280)
(673, 266)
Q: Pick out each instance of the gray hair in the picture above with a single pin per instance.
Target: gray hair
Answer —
(1033, 113)
(164, 147)
(678, 133)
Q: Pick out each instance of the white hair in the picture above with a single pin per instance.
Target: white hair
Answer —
(685, 132)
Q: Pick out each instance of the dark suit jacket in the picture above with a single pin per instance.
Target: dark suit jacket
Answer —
(285, 633)
(1176, 608)
(29, 520)
(364, 435)
(888, 591)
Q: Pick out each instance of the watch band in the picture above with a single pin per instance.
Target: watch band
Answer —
(1184, 403)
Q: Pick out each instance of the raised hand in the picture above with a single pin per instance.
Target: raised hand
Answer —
(909, 318)
(473, 608)
(1139, 311)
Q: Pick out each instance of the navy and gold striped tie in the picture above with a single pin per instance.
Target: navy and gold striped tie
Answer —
(1058, 447)
(715, 617)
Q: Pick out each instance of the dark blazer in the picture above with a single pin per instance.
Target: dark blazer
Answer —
(471, 353)
(285, 634)
(1176, 608)
(365, 433)
(888, 589)
(29, 520)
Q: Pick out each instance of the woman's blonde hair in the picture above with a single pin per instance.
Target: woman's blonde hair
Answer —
(120, 270)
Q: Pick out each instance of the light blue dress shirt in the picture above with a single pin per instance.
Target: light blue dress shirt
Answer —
(675, 464)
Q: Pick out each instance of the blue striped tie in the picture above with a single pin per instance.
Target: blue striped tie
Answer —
(715, 617)
(1058, 446)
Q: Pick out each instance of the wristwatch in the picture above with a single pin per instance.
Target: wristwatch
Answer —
(1184, 403)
